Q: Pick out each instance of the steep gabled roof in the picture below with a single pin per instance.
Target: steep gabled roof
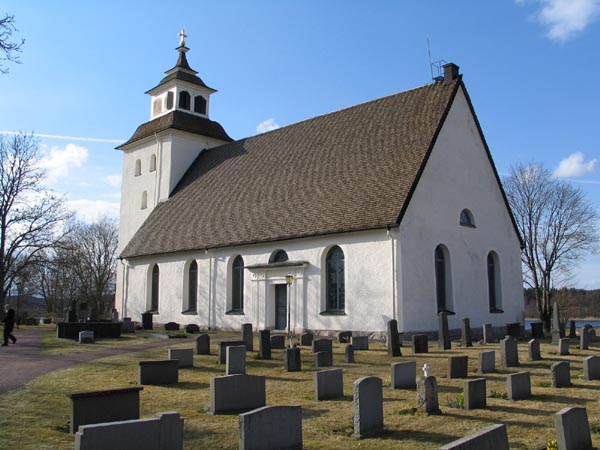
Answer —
(350, 170)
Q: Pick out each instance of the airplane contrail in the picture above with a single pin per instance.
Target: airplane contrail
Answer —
(69, 138)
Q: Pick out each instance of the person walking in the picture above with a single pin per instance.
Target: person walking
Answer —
(9, 324)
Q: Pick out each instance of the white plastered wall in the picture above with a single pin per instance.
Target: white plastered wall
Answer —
(458, 175)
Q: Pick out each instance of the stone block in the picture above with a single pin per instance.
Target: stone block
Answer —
(108, 405)
(329, 384)
(232, 394)
(591, 368)
(292, 359)
(192, 328)
(584, 339)
(474, 393)
(493, 437)
(420, 344)
(349, 354)
(572, 329)
(514, 330)
(518, 386)
(185, 356)
(235, 359)
(466, 340)
(537, 330)
(203, 344)
(444, 342)
(323, 359)
(247, 336)
(487, 362)
(561, 374)
(322, 345)
(223, 349)
(360, 342)
(86, 337)
(127, 326)
(344, 337)
(368, 407)
(488, 333)
(572, 429)
(158, 372)
(534, 350)
(563, 346)
(403, 375)
(427, 395)
(264, 344)
(458, 366)
(278, 341)
(393, 339)
(147, 321)
(164, 432)
(271, 428)
(172, 326)
(509, 354)
(306, 339)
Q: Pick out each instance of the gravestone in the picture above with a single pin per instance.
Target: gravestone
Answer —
(344, 337)
(513, 330)
(563, 346)
(158, 372)
(172, 326)
(185, 356)
(493, 437)
(427, 395)
(420, 344)
(307, 339)
(368, 407)
(561, 374)
(147, 321)
(223, 349)
(235, 360)
(403, 375)
(509, 355)
(572, 429)
(444, 342)
(322, 345)
(360, 342)
(203, 344)
(537, 330)
(534, 350)
(393, 339)
(584, 339)
(466, 340)
(292, 359)
(264, 344)
(518, 386)
(474, 393)
(557, 330)
(247, 336)
(329, 384)
(278, 341)
(488, 333)
(572, 329)
(127, 326)
(232, 394)
(349, 354)
(323, 359)
(487, 362)
(86, 337)
(591, 368)
(458, 366)
(192, 328)
(590, 332)
(271, 428)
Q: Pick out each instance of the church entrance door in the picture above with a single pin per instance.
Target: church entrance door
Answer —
(280, 306)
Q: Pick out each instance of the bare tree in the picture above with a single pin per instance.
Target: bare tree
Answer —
(558, 226)
(32, 218)
(8, 47)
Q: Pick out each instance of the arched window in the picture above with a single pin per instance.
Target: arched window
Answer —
(335, 289)
(466, 218)
(443, 280)
(184, 100)
(169, 104)
(153, 163)
(192, 286)
(200, 104)
(237, 284)
(138, 167)
(278, 256)
(154, 289)
(494, 287)
(144, 200)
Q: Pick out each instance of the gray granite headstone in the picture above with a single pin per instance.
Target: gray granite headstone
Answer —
(247, 336)
(584, 339)
(203, 344)
(185, 356)
(360, 342)
(534, 350)
(458, 366)
(349, 354)
(232, 394)
(271, 428)
(322, 345)
(158, 372)
(306, 339)
(466, 340)
(561, 374)
(404, 375)
(427, 395)
(572, 429)
(264, 344)
(494, 437)
(563, 346)
(329, 384)
(487, 362)
(368, 406)
(591, 368)
(474, 393)
(393, 339)
(518, 386)
(420, 343)
(509, 355)
(235, 360)
(223, 349)
(323, 359)
(488, 333)
(292, 359)
(444, 342)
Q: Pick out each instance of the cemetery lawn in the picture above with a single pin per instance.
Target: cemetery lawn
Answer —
(36, 416)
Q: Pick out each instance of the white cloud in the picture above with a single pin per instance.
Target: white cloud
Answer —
(574, 166)
(114, 180)
(90, 210)
(60, 160)
(267, 125)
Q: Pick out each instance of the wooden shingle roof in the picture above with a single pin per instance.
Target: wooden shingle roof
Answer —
(350, 170)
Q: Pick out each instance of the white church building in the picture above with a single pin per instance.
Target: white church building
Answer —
(391, 209)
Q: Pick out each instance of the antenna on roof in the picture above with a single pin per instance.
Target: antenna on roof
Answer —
(437, 65)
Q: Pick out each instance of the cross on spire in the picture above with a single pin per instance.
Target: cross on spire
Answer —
(182, 37)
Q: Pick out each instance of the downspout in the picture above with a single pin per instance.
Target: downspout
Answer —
(391, 236)
(123, 289)
(209, 285)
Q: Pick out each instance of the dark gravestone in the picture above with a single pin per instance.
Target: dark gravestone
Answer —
(487, 362)
(264, 344)
(494, 437)
(572, 329)
(427, 395)
(192, 328)
(278, 341)
(172, 326)
(509, 355)
(329, 384)
(127, 326)
(306, 339)
(572, 429)
(323, 359)
(518, 386)
(443, 332)
(561, 374)
(488, 333)
(589, 330)
(223, 349)
(393, 340)
(420, 344)
(466, 341)
(292, 359)
(474, 393)
(368, 406)
(271, 427)
(584, 339)
(458, 366)
(534, 350)
(158, 372)
(232, 394)
(247, 336)
(349, 354)
(537, 330)
(203, 344)
(344, 337)
(591, 368)
(322, 345)
(147, 321)
(513, 330)
(70, 330)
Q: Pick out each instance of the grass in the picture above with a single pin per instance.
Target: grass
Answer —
(36, 416)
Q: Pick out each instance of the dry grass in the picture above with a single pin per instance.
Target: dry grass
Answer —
(35, 417)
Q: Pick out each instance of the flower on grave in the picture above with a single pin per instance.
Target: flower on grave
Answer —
(552, 444)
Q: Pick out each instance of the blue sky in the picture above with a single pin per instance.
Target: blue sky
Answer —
(530, 66)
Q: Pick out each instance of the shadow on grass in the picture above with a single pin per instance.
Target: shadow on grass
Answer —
(295, 380)
(191, 385)
(309, 413)
(517, 422)
(517, 410)
(419, 436)
(559, 399)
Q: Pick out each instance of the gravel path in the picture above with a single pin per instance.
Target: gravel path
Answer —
(24, 361)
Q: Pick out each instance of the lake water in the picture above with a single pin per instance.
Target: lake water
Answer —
(578, 323)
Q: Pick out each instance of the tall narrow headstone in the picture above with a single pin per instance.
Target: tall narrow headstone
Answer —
(292, 359)
(556, 325)
(443, 332)
(584, 339)
(264, 344)
(466, 333)
(203, 344)
(393, 340)
(534, 350)
(591, 368)
(427, 395)
(509, 355)
(420, 344)
(563, 346)
(235, 362)
(247, 336)
(349, 354)
(572, 429)
(368, 406)
(572, 329)
(488, 333)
